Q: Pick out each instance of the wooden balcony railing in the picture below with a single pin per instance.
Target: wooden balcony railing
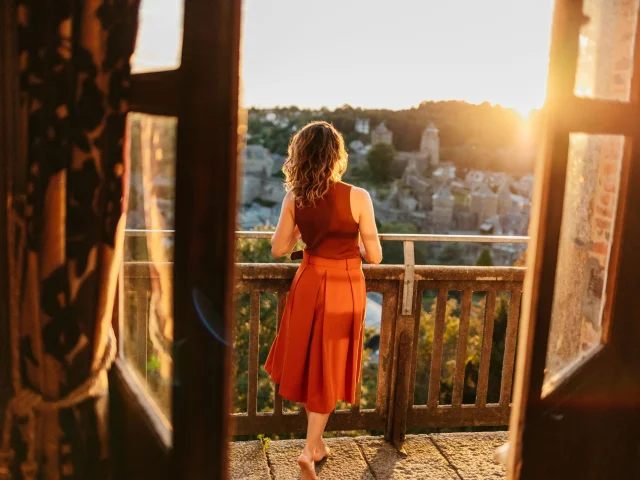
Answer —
(394, 410)
(402, 288)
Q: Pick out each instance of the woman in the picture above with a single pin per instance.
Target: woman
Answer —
(316, 356)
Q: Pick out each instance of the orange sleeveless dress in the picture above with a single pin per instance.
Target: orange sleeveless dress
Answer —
(316, 357)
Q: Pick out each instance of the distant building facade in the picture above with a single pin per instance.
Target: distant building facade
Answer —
(381, 134)
(484, 203)
(362, 125)
(442, 213)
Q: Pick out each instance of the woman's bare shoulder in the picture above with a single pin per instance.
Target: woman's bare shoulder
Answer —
(360, 194)
(289, 201)
(289, 198)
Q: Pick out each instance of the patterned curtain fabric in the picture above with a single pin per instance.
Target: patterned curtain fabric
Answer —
(74, 79)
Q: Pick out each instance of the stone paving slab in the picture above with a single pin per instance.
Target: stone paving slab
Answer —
(447, 456)
(423, 460)
(472, 453)
(248, 461)
(345, 463)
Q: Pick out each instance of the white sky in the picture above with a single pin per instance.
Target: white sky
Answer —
(395, 53)
(373, 53)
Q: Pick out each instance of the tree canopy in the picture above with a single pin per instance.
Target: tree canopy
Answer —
(479, 136)
(380, 158)
(485, 259)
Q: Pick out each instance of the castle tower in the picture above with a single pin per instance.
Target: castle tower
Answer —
(381, 134)
(430, 144)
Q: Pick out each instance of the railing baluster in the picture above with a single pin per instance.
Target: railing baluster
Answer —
(355, 407)
(387, 323)
(282, 299)
(487, 344)
(254, 332)
(416, 309)
(463, 337)
(510, 348)
(401, 400)
(436, 354)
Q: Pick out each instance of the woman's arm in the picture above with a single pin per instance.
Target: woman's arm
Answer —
(287, 233)
(370, 247)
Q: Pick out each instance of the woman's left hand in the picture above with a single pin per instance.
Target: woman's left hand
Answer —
(362, 250)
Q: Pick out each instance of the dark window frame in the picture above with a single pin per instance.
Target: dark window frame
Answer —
(551, 434)
(203, 93)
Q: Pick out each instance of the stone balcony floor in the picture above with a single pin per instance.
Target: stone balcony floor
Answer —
(455, 456)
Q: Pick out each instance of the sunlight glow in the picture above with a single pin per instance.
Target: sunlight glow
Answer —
(374, 53)
(159, 42)
(382, 54)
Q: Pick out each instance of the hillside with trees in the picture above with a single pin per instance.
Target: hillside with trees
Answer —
(471, 136)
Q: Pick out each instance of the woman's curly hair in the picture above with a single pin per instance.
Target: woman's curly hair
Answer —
(317, 159)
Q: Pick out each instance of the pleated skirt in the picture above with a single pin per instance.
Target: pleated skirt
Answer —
(316, 357)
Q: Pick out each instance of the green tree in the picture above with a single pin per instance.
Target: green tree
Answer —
(359, 173)
(380, 158)
(485, 260)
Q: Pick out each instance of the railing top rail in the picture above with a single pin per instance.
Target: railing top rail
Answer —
(384, 236)
(286, 271)
(141, 232)
(281, 271)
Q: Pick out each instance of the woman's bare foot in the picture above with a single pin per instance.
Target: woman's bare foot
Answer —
(322, 452)
(307, 467)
